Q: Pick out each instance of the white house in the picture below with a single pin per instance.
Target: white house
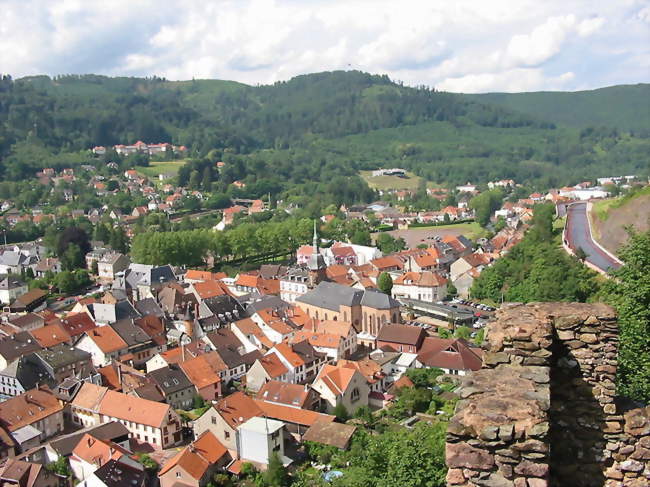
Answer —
(11, 288)
(258, 438)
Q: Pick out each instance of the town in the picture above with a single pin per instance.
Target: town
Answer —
(116, 371)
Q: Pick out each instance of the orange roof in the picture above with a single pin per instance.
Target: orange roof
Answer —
(210, 289)
(196, 275)
(425, 260)
(135, 409)
(78, 323)
(387, 262)
(248, 327)
(403, 381)
(287, 352)
(298, 315)
(247, 280)
(106, 339)
(28, 408)
(89, 396)
(288, 414)
(336, 379)
(50, 335)
(127, 379)
(268, 286)
(317, 339)
(237, 408)
(274, 322)
(335, 327)
(197, 457)
(273, 365)
(96, 451)
(370, 369)
(200, 372)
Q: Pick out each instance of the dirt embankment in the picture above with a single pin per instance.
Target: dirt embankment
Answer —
(611, 233)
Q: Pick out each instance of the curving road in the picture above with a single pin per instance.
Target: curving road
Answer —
(579, 236)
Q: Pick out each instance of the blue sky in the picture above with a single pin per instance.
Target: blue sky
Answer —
(453, 45)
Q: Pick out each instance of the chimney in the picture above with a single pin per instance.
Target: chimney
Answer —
(182, 352)
(119, 374)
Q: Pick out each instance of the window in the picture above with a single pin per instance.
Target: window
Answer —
(355, 394)
(178, 474)
(214, 420)
(226, 435)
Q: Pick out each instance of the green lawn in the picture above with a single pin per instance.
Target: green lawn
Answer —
(393, 182)
(471, 230)
(157, 167)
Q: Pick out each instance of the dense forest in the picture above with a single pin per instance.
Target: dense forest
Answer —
(307, 137)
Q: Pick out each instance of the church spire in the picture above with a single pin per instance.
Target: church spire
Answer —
(315, 241)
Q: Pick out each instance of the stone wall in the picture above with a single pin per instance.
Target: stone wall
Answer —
(542, 411)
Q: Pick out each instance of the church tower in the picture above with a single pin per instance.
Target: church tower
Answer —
(316, 264)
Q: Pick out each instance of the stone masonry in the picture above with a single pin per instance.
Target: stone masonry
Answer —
(542, 411)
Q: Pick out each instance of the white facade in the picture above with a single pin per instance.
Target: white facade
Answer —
(430, 294)
(258, 438)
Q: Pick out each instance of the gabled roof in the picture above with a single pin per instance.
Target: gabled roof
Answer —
(197, 457)
(373, 298)
(331, 296)
(288, 414)
(170, 379)
(294, 395)
(367, 367)
(405, 334)
(97, 452)
(237, 408)
(17, 345)
(273, 365)
(200, 371)
(28, 408)
(51, 335)
(77, 324)
(118, 474)
(249, 328)
(135, 409)
(448, 353)
(106, 339)
(210, 289)
(336, 379)
(131, 334)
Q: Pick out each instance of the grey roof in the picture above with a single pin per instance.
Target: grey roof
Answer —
(465, 241)
(130, 333)
(148, 391)
(268, 301)
(112, 431)
(12, 258)
(27, 320)
(141, 274)
(149, 306)
(272, 271)
(24, 434)
(110, 313)
(170, 379)
(332, 296)
(118, 474)
(224, 307)
(17, 345)
(373, 298)
(111, 258)
(11, 283)
(61, 355)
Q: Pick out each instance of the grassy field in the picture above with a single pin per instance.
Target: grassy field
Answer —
(471, 230)
(393, 182)
(158, 167)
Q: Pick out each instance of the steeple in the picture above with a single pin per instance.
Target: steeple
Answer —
(315, 241)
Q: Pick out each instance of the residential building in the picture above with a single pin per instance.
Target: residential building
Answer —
(203, 373)
(401, 338)
(11, 288)
(38, 408)
(110, 264)
(292, 395)
(258, 439)
(116, 474)
(301, 360)
(92, 453)
(341, 385)
(266, 368)
(336, 339)
(453, 356)
(104, 345)
(15, 346)
(423, 286)
(195, 464)
(26, 474)
(176, 388)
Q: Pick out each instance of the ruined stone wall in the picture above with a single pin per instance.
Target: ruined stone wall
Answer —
(542, 412)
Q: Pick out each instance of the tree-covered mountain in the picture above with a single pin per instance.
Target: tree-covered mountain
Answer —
(625, 107)
(305, 136)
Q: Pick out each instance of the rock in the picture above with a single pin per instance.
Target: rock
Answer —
(494, 358)
(588, 338)
(537, 483)
(612, 427)
(455, 476)
(539, 430)
(613, 473)
(641, 454)
(494, 480)
(637, 422)
(531, 445)
(631, 466)
(489, 433)
(566, 322)
(610, 408)
(566, 335)
(506, 432)
(463, 455)
(531, 469)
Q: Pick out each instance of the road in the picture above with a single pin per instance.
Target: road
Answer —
(578, 236)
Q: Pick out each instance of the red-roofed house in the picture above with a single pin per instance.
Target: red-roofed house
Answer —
(341, 385)
(424, 286)
(453, 356)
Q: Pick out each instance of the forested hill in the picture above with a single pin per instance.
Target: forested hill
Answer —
(310, 129)
(625, 107)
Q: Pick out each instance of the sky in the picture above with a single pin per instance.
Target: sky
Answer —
(469, 46)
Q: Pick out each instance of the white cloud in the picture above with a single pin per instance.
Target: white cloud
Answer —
(465, 45)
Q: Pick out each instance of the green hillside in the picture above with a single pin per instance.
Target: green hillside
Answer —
(626, 107)
(307, 138)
